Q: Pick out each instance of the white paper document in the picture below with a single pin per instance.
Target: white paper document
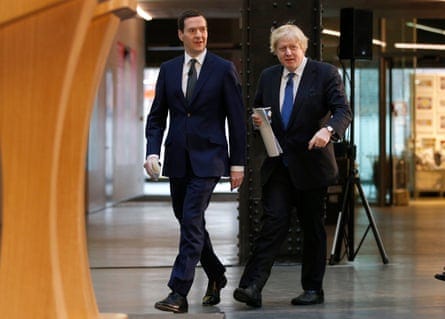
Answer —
(273, 148)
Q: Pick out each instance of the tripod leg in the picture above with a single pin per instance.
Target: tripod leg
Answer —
(339, 231)
(334, 257)
(371, 223)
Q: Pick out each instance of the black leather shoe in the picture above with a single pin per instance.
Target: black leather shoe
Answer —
(440, 276)
(212, 296)
(173, 303)
(250, 295)
(309, 297)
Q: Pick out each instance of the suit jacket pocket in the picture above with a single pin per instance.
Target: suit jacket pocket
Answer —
(203, 143)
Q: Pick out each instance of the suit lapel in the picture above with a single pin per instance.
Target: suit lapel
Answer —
(176, 74)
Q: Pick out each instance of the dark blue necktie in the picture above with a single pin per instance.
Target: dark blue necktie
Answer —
(288, 102)
(192, 78)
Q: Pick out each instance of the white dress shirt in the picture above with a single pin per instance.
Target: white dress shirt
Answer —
(298, 72)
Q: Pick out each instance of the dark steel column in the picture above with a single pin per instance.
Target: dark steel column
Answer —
(258, 19)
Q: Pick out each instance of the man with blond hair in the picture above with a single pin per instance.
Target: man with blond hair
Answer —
(309, 109)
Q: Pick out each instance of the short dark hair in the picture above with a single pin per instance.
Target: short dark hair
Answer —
(188, 14)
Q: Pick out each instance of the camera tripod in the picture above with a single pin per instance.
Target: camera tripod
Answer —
(346, 214)
(345, 221)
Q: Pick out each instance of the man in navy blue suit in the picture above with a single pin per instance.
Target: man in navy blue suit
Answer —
(309, 109)
(200, 92)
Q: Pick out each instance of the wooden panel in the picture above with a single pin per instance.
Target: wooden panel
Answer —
(10, 10)
(76, 280)
(79, 294)
(38, 56)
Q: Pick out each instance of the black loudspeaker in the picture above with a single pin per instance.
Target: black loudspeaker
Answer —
(355, 34)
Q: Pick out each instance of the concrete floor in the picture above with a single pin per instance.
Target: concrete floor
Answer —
(133, 245)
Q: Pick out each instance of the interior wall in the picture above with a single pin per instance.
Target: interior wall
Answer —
(116, 141)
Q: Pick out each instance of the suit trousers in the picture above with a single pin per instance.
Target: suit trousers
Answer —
(279, 196)
(190, 197)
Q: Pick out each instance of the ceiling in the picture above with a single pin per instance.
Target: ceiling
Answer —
(396, 14)
(160, 9)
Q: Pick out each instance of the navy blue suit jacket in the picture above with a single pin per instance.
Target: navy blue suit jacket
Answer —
(198, 129)
(320, 101)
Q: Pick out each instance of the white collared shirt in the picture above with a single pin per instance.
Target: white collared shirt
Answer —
(298, 72)
(185, 69)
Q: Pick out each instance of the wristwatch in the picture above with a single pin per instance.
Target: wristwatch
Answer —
(330, 129)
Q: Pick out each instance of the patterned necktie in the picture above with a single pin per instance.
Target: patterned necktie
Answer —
(288, 102)
(192, 78)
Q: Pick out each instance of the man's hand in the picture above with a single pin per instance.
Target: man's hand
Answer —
(152, 166)
(256, 120)
(320, 139)
(236, 179)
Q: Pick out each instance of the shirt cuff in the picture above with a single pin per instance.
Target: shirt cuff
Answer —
(156, 156)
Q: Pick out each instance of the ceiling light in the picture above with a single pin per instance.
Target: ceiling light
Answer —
(143, 14)
(425, 28)
(331, 32)
(337, 34)
(421, 46)
(378, 42)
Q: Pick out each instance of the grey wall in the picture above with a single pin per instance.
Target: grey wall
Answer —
(116, 140)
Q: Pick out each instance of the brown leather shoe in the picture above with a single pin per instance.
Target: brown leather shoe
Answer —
(212, 296)
(309, 297)
(250, 295)
(173, 303)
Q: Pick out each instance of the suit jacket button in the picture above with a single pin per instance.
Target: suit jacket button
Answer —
(188, 115)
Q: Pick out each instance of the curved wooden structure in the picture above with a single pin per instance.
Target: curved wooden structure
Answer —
(52, 55)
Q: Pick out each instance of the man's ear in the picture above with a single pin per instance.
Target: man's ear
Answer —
(180, 35)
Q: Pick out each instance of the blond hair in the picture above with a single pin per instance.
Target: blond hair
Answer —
(290, 31)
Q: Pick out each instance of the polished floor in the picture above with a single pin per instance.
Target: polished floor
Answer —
(133, 244)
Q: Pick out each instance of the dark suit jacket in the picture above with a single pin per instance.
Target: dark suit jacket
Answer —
(197, 129)
(320, 101)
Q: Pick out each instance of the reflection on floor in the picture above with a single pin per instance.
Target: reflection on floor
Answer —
(132, 246)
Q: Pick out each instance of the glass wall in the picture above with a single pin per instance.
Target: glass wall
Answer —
(415, 143)
(366, 126)
(419, 130)
(401, 127)
(366, 123)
